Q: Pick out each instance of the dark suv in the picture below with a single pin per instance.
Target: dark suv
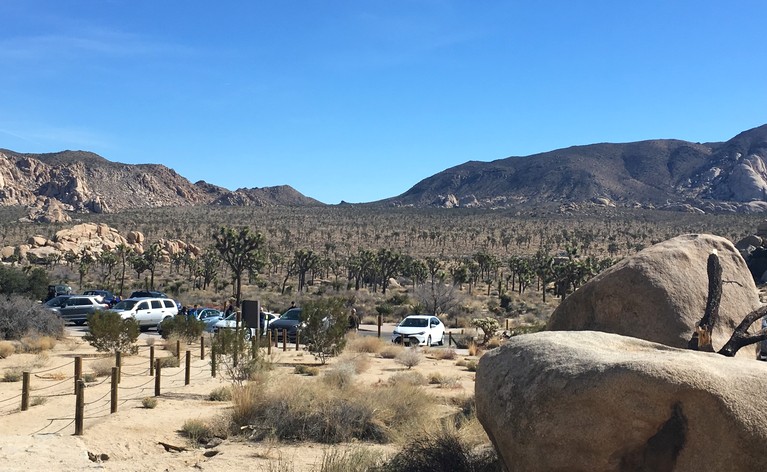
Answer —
(77, 308)
(290, 321)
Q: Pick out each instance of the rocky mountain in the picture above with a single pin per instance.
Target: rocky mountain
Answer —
(729, 176)
(52, 185)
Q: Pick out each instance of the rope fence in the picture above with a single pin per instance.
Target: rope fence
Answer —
(36, 386)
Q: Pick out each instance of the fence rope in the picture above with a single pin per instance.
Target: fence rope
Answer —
(52, 369)
(50, 422)
(9, 399)
(128, 374)
(98, 400)
(137, 386)
(53, 385)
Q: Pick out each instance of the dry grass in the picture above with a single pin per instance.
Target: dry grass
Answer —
(103, 367)
(324, 412)
(36, 344)
(391, 351)
(12, 375)
(171, 344)
(410, 357)
(447, 353)
(369, 344)
(196, 430)
(360, 362)
(307, 370)
(149, 402)
(7, 349)
(444, 381)
(340, 376)
(407, 378)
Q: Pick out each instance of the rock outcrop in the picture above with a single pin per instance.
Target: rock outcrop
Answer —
(591, 401)
(660, 293)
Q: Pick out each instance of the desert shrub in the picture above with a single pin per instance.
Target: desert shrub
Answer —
(169, 361)
(473, 348)
(32, 284)
(447, 353)
(493, 343)
(489, 326)
(307, 370)
(471, 366)
(149, 402)
(440, 451)
(186, 328)
(12, 375)
(359, 362)
(340, 375)
(369, 344)
(7, 349)
(171, 344)
(20, 316)
(350, 460)
(391, 352)
(196, 430)
(444, 381)
(35, 401)
(409, 357)
(150, 341)
(407, 378)
(36, 344)
(103, 367)
(311, 411)
(326, 322)
(220, 394)
(462, 341)
(89, 377)
(108, 332)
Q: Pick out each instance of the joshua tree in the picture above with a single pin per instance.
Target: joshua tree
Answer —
(241, 250)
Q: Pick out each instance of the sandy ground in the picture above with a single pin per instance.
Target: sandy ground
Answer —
(42, 438)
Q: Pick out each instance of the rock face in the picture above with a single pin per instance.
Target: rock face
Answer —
(591, 401)
(660, 293)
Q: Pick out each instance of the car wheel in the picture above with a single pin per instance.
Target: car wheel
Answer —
(441, 341)
(428, 341)
(79, 322)
(248, 334)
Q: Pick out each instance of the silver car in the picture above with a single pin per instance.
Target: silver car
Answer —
(77, 308)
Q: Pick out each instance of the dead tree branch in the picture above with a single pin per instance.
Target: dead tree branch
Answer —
(740, 337)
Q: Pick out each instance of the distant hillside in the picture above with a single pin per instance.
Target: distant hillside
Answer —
(730, 176)
(79, 181)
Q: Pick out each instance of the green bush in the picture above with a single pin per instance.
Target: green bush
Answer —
(326, 322)
(149, 402)
(220, 394)
(187, 328)
(108, 332)
(32, 284)
(488, 325)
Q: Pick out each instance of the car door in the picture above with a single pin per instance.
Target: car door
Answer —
(143, 313)
(437, 329)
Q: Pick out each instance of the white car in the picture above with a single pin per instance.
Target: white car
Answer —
(419, 330)
(230, 322)
(149, 312)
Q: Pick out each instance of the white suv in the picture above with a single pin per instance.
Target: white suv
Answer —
(149, 312)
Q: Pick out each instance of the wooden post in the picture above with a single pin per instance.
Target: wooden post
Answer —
(380, 322)
(284, 340)
(178, 350)
(253, 348)
(157, 377)
(449, 338)
(298, 334)
(118, 364)
(78, 371)
(188, 366)
(507, 324)
(79, 408)
(269, 343)
(236, 352)
(115, 373)
(202, 348)
(213, 360)
(151, 360)
(25, 391)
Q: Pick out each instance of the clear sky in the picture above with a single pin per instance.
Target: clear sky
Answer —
(359, 100)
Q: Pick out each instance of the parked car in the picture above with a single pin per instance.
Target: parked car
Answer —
(205, 314)
(56, 302)
(419, 330)
(230, 322)
(76, 308)
(290, 321)
(104, 295)
(56, 290)
(153, 294)
(149, 312)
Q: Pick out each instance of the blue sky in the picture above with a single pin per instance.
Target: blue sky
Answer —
(359, 100)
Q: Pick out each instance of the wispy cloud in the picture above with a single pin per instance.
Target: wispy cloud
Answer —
(86, 43)
(55, 137)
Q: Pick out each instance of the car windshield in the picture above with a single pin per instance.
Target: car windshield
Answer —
(414, 323)
(55, 301)
(231, 317)
(294, 314)
(125, 305)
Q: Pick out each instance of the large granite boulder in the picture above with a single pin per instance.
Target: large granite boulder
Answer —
(592, 401)
(660, 293)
